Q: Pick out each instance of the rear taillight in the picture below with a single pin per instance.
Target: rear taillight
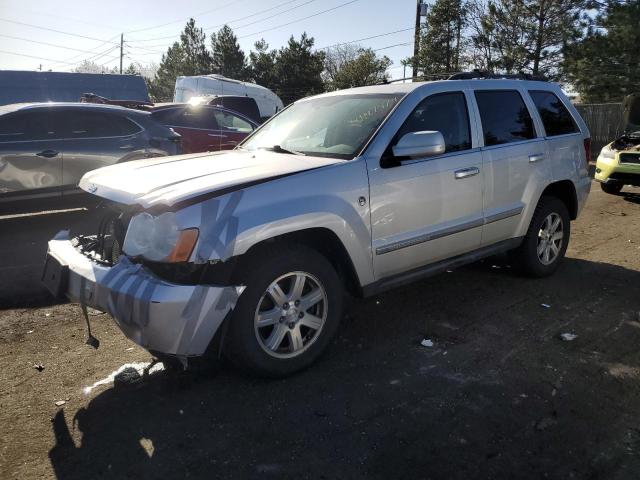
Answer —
(587, 149)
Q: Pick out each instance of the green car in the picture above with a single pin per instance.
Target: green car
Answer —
(619, 162)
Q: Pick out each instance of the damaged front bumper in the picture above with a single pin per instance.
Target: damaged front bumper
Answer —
(158, 315)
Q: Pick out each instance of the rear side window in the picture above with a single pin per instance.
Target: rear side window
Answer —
(555, 117)
(446, 113)
(24, 126)
(71, 124)
(196, 117)
(232, 122)
(504, 117)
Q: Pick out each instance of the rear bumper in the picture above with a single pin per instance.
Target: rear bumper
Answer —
(157, 315)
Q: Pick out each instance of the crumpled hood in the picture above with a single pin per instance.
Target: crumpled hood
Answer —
(169, 180)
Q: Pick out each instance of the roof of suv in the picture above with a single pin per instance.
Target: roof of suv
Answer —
(404, 88)
(14, 107)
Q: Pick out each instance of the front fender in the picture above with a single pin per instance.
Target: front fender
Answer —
(324, 198)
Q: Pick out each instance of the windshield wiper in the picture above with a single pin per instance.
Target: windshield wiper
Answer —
(279, 149)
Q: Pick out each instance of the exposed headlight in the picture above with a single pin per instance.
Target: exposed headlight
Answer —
(607, 153)
(159, 239)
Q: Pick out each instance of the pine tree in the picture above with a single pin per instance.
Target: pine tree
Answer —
(441, 38)
(351, 65)
(228, 58)
(605, 65)
(298, 70)
(187, 57)
(262, 65)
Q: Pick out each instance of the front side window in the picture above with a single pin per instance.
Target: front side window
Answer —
(336, 126)
(226, 121)
(504, 117)
(555, 117)
(444, 112)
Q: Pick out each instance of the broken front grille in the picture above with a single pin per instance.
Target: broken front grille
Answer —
(630, 158)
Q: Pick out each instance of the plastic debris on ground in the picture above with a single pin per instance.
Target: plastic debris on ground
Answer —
(38, 366)
(545, 305)
(60, 403)
(138, 367)
(568, 337)
(426, 342)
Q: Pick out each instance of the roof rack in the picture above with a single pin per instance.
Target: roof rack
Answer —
(477, 74)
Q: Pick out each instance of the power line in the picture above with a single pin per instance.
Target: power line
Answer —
(225, 23)
(184, 20)
(272, 16)
(301, 19)
(45, 43)
(366, 38)
(92, 50)
(392, 46)
(33, 56)
(54, 30)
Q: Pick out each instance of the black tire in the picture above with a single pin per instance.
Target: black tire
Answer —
(242, 346)
(525, 257)
(611, 188)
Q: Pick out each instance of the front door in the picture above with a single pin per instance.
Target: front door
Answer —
(30, 160)
(428, 209)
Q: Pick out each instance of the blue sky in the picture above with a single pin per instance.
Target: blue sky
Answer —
(90, 29)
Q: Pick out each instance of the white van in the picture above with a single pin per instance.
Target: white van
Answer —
(186, 87)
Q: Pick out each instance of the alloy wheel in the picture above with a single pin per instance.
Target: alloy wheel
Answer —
(291, 314)
(550, 238)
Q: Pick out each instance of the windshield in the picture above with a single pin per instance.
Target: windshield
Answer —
(335, 126)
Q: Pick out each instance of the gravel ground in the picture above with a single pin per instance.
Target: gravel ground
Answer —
(499, 395)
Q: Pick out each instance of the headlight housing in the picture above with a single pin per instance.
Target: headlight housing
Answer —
(159, 239)
(607, 154)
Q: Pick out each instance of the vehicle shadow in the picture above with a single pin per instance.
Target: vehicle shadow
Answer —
(631, 197)
(498, 393)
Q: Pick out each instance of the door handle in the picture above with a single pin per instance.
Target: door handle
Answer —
(466, 172)
(47, 153)
(536, 157)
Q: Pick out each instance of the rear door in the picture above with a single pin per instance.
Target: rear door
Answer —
(428, 209)
(30, 158)
(514, 159)
(233, 129)
(564, 140)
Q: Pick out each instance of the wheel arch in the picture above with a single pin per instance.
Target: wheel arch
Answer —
(565, 191)
(323, 240)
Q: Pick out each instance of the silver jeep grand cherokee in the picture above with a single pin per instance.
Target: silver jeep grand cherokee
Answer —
(353, 191)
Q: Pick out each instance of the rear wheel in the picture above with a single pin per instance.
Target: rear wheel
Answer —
(611, 188)
(288, 313)
(546, 241)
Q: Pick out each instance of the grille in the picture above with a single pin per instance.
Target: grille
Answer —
(630, 158)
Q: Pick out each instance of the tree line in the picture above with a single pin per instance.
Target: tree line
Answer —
(294, 71)
(591, 45)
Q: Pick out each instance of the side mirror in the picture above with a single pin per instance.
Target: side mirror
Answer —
(420, 144)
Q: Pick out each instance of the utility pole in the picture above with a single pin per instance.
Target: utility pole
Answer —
(421, 11)
(121, 49)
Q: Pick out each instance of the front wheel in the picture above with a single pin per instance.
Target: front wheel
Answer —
(546, 241)
(611, 188)
(288, 313)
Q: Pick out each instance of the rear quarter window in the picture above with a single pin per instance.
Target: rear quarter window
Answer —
(555, 117)
(504, 116)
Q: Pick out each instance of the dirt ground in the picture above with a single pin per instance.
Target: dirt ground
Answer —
(499, 395)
